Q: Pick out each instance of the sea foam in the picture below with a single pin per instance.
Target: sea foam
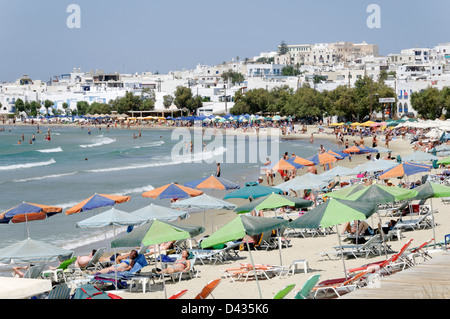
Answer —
(99, 142)
(26, 165)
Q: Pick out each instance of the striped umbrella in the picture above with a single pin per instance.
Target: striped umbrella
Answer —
(97, 201)
(172, 191)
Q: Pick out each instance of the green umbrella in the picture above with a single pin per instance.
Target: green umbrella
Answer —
(273, 201)
(157, 232)
(429, 191)
(241, 226)
(380, 194)
(334, 212)
(343, 193)
(445, 160)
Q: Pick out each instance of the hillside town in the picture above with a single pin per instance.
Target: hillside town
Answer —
(321, 66)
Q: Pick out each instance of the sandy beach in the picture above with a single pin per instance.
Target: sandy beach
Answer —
(300, 248)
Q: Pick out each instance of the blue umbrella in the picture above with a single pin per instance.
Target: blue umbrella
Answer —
(253, 191)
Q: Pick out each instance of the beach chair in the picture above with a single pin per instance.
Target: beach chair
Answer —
(396, 211)
(308, 286)
(337, 288)
(266, 242)
(420, 252)
(179, 294)
(400, 259)
(231, 250)
(284, 292)
(445, 200)
(190, 273)
(372, 246)
(209, 255)
(208, 289)
(60, 292)
(412, 224)
(34, 272)
(59, 273)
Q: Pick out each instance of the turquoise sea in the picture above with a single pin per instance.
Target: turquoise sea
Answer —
(74, 165)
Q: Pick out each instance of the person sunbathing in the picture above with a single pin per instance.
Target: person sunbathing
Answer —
(180, 265)
(124, 265)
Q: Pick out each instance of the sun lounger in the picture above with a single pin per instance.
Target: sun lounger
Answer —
(307, 288)
(34, 272)
(179, 294)
(246, 271)
(59, 273)
(446, 200)
(340, 288)
(420, 252)
(208, 289)
(284, 292)
(209, 255)
(60, 292)
(372, 246)
(266, 242)
(413, 224)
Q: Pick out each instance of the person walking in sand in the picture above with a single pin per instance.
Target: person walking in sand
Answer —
(311, 139)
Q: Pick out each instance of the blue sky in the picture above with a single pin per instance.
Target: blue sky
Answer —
(164, 35)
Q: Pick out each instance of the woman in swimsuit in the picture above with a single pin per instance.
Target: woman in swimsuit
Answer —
(124, 265)
(180, 265)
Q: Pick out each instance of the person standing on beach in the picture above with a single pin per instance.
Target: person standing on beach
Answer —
(311, 139)
(218, 170)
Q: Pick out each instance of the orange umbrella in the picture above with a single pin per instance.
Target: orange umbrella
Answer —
(323, 158)
(97, 201)
(302, 161)
(172, 190)
(283, 165)
(212, 182)
(352, 149)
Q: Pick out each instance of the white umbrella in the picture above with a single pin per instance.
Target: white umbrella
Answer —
(204, 202)
(306, 181)
(22, 288)
(153, 211)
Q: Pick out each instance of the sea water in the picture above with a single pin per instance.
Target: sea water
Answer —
(77, 163)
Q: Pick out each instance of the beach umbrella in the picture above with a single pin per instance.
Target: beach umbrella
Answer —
(212, 182)
(204, 202)
(419, 156)
(445, 160)
(153, 211)
(365, 149)
(375, 166)
(283, 165)
(22, 288)
(302, 161)
(381, 194)
(352, 150)
(332, 213)
(273, 201)
(26, 212)
(253, 192)
(306, 181)
(343, 193)
(112, 217)
(338, 154)
(241, 226)
(322, 159)
(339, 171)
(403, 169)
(157, 232)
(430, 191)
(33, 251)
(97, 201)
(173, 191)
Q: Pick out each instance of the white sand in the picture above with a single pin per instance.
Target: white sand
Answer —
(300, 248)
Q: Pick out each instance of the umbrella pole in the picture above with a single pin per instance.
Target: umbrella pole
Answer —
(162, 273)
(382, 234)
(279, 246)
(340, 245)
(253, 265)
(432, 221)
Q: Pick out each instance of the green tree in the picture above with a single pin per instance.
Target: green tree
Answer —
(48, 105)
(184, 99)
(428, 103)
(167, 101)
(235, 77)
(82, 107)
(283, 48)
